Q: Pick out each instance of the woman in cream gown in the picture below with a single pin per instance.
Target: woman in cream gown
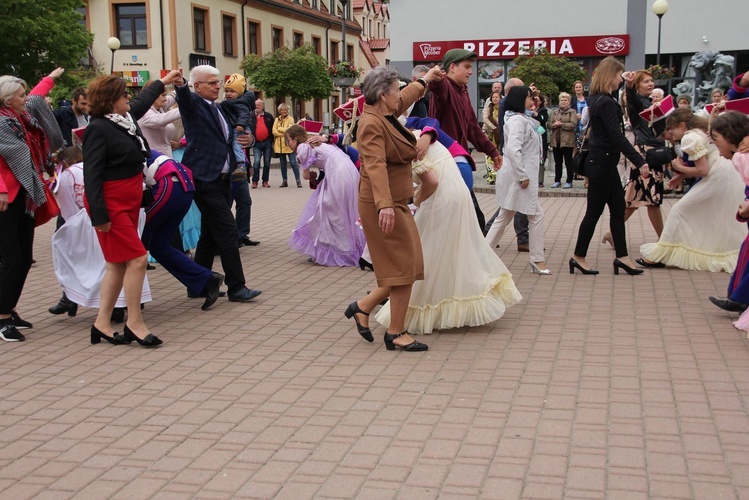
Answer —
(465, 282)
(701, 233)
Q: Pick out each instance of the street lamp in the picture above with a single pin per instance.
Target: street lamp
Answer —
(114, 44)
(660, 7)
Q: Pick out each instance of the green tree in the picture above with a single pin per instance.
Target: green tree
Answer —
(40, 35)
(299, 73)
(71, 80)
(551, 74)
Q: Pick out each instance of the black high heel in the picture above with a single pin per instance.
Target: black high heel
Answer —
(575, 264)
(116, 339)
(630, 270)
(150, 340)
(414, 346)
(363, 264)
(351, 311)
(645, 263)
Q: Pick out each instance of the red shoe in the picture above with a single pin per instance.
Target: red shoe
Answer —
(266, 185)
(254, 185)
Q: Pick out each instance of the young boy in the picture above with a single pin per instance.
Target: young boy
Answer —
(236, 106)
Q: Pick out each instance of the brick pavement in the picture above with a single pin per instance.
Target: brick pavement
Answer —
(591, 387)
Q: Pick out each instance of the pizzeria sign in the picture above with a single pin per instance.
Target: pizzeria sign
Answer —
(510, 48)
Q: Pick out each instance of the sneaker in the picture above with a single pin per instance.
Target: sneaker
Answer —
(18, 322)
(239, 173)
(567, 185)
(284, 184)
(9, 332)
(556, 185)
(298, 184)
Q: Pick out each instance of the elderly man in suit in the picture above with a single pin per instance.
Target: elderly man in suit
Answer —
(209, 155)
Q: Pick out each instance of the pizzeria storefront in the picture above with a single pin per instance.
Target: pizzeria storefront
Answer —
(495, 56)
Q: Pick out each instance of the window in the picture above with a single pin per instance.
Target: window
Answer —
(132, 29)
(298, 39)
(317, 45)
(229, 24)
(314, 4)
(199, 23)
(277, 38)
(253, 30)
(82, 12)
(349, 53)
(333, 51)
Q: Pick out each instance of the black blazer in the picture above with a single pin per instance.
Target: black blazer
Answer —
(110, 153)
(607, 138)
(67, 121)
(207, 149)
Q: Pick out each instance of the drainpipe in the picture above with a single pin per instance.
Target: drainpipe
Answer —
(244, 35)
(161, 29)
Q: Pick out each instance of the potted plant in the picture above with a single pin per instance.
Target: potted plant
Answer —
(344, 73)
(661, 74)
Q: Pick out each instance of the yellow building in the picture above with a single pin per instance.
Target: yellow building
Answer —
(163, 34)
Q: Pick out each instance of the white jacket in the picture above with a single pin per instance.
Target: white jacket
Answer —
(522, 156)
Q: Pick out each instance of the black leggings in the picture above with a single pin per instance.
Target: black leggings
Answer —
(16, 246)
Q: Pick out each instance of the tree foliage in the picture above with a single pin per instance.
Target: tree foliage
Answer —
(40, 35)
(69, 81)
(299, 73)
(551, 74)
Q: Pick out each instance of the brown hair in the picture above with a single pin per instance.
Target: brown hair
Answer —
(732, 125)
(576, 82)
(603, 75)
(103, 92)
(297, 133)
(639, 77)
(70, 155)
(685, 116)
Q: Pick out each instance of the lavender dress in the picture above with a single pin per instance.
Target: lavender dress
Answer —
(327, 230)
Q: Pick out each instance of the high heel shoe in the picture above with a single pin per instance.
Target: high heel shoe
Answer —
(535, 269)
(630, 270)
(645, 263)
(150, 340)
(351, 311)
(414, 346)
(575, 264)
(64, 306)
(116, 339)
(363, 264)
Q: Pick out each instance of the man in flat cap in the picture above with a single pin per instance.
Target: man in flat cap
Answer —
(451, 105)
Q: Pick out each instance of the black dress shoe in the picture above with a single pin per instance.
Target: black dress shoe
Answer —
(150, 340)
(244, 295)
(414, 346)
(212, 290)
(629, 270)
(728, 304)
(246, 241)
(351, 311)
(202, 294)
(365, 264)
(645, 263)
(64, 306)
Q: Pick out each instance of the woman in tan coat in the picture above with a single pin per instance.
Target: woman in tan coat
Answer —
(562, 126)
(387, 150)
(283, 121)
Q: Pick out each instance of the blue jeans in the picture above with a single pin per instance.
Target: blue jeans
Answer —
(262, 151)
(292, 158)
(237, 149)
(240, 194)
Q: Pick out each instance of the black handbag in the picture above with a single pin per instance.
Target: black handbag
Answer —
(657, 157)
(148, 198)
(581, 154)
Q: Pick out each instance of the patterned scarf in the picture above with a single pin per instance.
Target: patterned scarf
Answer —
(23, 153)
(127, 123)
(40, 110)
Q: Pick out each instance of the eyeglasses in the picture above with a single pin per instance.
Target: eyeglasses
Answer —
(213, 83)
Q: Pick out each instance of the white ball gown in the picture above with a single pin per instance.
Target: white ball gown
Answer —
(465, 282)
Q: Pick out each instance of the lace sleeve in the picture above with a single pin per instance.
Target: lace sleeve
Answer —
(695, 144)
(421, 167)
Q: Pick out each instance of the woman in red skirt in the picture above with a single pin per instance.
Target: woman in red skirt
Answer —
(114, 153)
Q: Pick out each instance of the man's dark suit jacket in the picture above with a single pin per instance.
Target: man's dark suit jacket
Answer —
(67, 121)
(207, 149)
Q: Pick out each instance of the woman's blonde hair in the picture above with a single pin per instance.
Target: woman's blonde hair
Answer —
(9, 85)
(604, 73)
(565, 94)
(282, 106)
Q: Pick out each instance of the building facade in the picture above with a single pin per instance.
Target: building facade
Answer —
(162, 34)
(585, 31)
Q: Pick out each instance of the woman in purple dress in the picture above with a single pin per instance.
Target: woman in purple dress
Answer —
(327, 230)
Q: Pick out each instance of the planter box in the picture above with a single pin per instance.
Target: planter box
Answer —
(346, 81)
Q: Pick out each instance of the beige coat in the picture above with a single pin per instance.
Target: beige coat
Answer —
(564, 136)
(280, 126)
